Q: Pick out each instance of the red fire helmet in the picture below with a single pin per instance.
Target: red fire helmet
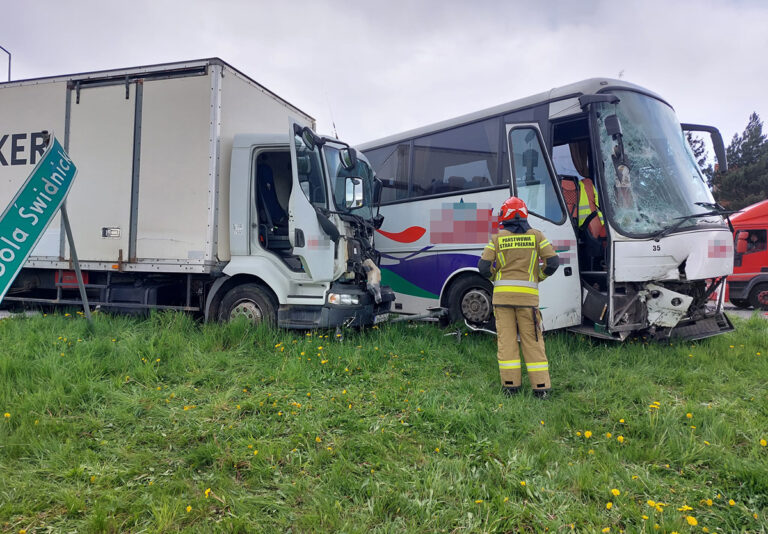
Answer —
(513, 206)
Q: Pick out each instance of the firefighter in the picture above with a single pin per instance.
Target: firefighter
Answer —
(511, 261)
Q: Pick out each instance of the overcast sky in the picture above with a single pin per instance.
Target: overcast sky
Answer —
(380, 67)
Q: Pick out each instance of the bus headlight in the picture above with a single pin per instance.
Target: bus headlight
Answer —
(343, 299)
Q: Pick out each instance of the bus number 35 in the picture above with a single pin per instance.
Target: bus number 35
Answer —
(656, 248)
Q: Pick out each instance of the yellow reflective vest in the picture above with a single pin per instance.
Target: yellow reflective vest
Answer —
(515, 266)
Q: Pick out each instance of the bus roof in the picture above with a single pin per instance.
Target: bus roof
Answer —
(573, 90)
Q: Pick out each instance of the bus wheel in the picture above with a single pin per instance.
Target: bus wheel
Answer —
(251, 301)
(758, 297)
(470, 298)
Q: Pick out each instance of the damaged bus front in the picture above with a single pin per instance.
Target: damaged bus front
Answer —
(668, 245)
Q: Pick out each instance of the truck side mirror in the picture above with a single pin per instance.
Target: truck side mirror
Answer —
(355, 195)
(378, 187)
(348, 157)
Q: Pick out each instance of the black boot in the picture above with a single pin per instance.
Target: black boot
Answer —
(542, 393)
(509, 391)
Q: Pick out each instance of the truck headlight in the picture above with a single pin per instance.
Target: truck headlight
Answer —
(343, 298)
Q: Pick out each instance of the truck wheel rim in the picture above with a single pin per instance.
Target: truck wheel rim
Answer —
(248, 309)
(476, 306)
(762, 298)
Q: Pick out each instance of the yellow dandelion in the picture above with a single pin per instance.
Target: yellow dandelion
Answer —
(621, 421)
(323, 362)
(542, 423)
(684, 508)
(578, 434)
(606, 529)
(731, 502)
(588, 434)
(437, 449)
(708, 502)
(763, 443)
(93, 478)
(7, 415)
(522, 482)
(706, 442)
(691, 520)
(608, 435)
(591, 451)
(635, 477)
(317, 439)
(189, 508)
(207, 492)
(615, 492)
(608, 505)
(478, 501)
(651, 503)
(645, 517)
(507, 499)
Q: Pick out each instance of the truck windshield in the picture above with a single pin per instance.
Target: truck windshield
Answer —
(663, 182)
(338, 175)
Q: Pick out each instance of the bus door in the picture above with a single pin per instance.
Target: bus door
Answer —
(309, 194)
(533, 180)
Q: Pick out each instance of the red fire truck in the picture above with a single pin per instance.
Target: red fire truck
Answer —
(748, 286)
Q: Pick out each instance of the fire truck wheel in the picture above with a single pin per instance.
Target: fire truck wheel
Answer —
(251, 301)
(758, 297)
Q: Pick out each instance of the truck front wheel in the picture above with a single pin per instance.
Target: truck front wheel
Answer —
(758, 297)
(251, 301)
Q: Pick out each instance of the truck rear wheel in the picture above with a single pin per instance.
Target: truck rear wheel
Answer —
(470, 298)
(758, 297)
(251, 301)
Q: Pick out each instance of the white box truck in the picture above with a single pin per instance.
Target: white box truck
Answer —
(198, 189)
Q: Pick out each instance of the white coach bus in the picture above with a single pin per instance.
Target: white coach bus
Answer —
(648, 259)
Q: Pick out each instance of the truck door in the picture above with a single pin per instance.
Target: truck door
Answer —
(101, 142)
(534, 181)
(309, 194)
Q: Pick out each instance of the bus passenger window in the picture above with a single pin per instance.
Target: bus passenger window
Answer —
(456, 160)
(533, 181)
(391, 166)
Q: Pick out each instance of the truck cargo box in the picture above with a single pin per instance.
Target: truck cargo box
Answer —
(152, 145)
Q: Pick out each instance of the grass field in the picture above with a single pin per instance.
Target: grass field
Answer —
(168, 425)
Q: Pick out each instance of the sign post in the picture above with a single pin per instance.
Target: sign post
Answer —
(24, 221)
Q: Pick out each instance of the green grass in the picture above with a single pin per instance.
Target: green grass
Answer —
(390, 430)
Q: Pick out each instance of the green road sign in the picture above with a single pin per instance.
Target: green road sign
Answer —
(32, 209)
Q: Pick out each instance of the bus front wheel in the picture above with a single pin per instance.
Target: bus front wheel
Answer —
(469, 299)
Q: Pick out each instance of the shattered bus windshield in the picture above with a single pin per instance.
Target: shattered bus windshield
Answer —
(655, 180)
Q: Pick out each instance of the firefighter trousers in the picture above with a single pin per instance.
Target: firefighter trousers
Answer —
(525, 321)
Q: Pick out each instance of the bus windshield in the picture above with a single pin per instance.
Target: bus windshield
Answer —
(658, 181)
(338, 175)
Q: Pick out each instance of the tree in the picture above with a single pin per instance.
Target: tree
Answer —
(746, 181)
(701, 155)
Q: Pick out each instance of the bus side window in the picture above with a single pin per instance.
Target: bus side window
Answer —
(534, 182)
(456, 160)
(391, 166)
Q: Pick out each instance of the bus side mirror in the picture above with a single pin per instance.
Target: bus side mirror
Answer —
(613, 125)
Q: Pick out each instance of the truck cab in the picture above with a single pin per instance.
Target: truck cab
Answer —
(748, 285)
(302, 214)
